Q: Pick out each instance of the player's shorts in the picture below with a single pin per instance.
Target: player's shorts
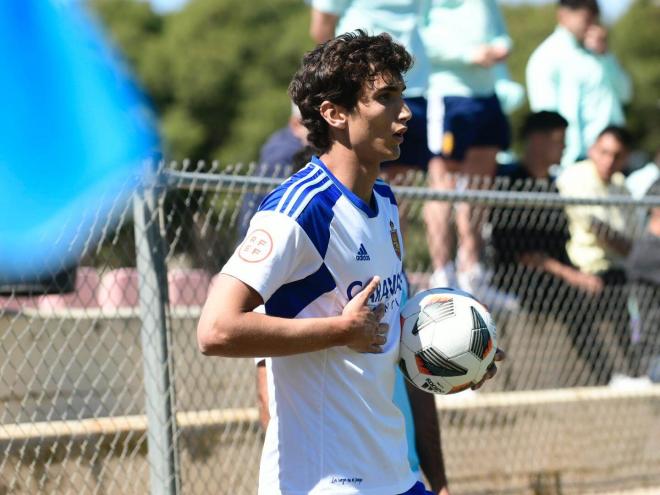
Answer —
(458, 123)
(414, 149)
(418, 489)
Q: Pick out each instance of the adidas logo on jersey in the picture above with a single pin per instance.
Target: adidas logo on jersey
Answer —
(362, 254)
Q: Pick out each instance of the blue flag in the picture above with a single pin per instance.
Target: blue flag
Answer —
(75, 135)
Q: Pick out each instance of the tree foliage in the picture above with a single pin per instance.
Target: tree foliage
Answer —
(218, 70)
(635, 40)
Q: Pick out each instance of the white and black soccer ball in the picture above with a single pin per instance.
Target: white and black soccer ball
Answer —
(448, 340)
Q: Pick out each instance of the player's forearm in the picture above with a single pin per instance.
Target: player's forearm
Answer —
(252, 334)
(427, 437)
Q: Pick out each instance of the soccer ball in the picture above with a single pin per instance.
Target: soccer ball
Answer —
(448, 340)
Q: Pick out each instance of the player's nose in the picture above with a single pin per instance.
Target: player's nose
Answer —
(405, 114)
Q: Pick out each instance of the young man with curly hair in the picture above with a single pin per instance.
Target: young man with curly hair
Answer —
(324, 255)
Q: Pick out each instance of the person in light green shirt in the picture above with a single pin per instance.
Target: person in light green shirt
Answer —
(465, 41)
(573, 73)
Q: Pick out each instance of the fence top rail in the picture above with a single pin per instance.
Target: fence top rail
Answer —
(197, 181)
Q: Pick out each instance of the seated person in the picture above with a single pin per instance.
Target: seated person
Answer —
(599, 244)
(529, 249)
(643, 272)
(535, 237)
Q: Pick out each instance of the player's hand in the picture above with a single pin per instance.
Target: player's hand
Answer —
(500, 355)
(365, 333)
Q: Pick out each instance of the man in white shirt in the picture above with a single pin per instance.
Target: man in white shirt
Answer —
(324, 254)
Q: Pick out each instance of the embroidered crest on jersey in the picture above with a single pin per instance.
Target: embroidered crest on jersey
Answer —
(395, 239)
(256, 247)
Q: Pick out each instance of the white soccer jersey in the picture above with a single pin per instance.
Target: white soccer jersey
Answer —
(311, 247)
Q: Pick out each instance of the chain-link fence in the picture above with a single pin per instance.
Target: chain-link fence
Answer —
(103, 390)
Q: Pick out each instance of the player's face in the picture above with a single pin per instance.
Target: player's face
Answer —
(377, 124)
(609, 156)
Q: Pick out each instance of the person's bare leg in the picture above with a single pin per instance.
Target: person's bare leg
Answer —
(478, 172)
(437, 216)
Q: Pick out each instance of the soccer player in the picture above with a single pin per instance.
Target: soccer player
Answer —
(324, 254)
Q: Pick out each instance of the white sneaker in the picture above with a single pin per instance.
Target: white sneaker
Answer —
(476, 281)
(444, 277)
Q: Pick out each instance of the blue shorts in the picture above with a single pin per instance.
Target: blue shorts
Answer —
(458, 123)
(418, 489)
(414, 149)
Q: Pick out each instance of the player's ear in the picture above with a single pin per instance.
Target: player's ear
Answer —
(335, 115)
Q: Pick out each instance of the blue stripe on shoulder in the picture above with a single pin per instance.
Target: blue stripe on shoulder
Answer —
(316, 217)
(383, 189)
(271, 201)
(301, 185)
(292, 298)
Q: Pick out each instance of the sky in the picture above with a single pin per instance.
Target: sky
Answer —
(612, 9)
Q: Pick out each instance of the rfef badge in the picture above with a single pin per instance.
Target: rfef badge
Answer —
(395, 239)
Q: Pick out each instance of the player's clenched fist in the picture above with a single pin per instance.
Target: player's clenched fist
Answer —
(364, 331)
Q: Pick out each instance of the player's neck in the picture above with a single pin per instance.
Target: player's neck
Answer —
(357, 176)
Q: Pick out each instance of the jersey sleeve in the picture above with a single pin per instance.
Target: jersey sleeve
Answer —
(275, 251)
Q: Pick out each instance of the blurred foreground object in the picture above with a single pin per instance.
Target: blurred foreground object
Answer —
(75, 134)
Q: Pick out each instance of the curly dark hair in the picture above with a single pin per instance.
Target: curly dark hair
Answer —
(337, 71)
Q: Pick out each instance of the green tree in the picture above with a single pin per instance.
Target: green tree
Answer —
(217, 70)
(635, 41)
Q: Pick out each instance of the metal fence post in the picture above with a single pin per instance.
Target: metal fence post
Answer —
(158, 386)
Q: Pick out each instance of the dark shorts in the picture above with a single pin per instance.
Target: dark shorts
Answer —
(414, 149)
(458, 123)
(418, 489)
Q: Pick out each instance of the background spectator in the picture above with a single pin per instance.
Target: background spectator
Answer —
(640, 181)
(535, 237)
(529, 245)
(643, 271)
(276, 159)
(572, 72)
(600, 237)
(464, 40)
(597, 243)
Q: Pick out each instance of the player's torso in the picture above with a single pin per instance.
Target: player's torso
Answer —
(325, 402)
(361, 248)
